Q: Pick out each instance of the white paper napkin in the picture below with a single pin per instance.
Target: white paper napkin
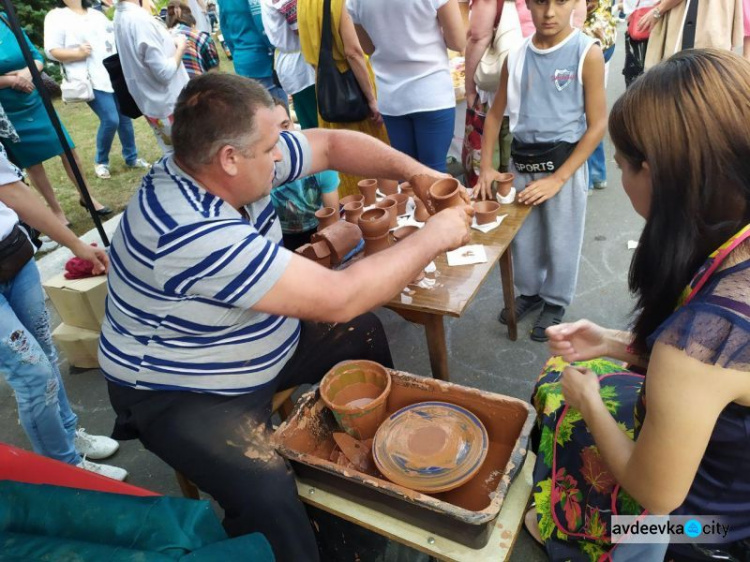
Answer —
(489, 226)
(467, 255)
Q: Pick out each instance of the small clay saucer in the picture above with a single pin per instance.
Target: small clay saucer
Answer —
(430, 446)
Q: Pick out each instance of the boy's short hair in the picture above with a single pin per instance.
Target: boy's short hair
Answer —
(279, 102)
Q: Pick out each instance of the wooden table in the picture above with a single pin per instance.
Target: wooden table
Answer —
(456, 287)
(505, 531)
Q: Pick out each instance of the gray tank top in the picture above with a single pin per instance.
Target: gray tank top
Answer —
(545, 91)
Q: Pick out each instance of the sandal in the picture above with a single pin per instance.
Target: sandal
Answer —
(524, 305)
(551, 315)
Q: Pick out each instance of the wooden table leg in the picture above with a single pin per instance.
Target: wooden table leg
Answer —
(435, 332)
(506, 276)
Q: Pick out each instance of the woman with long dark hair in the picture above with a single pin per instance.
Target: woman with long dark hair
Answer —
(80, 38)
(680, 140)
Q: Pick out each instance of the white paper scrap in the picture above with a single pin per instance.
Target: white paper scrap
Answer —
(467, 255)
(489, 226)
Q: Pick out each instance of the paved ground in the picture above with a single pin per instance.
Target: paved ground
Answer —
(480, 354)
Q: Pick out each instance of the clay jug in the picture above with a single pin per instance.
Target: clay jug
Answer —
(377, 244)
(352, 210)
(421, 213)
(341, 238)
(388, 187)
(400, 199)
(389, 205)
(374, 223)
(485, 212)
(357, 394)
(446, 193)
(326, 217)
(368, 189)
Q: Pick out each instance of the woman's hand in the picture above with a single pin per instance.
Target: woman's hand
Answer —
(375, 112)
(97, 256)
(580, 388)
(21, 84)
(84, 49)
(648, 21)
(483, 187)
(577, 341)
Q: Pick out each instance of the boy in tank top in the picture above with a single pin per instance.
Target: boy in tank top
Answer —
(553, 88)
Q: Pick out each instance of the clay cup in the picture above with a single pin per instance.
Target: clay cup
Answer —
(390, 205)
(352, 211)
(374, 223)
(326, 217)
(485, 212)
(388, 187)
(446, 193)
(400, 199)
(368, 189)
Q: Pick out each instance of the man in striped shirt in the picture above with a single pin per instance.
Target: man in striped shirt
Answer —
(208, 315)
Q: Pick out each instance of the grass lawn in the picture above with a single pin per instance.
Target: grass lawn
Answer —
(82, 125)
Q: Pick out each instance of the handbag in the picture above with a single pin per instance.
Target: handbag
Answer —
(127, 104)
(540, 158)
(340, 99)
(506, 36)
(76, 90)
(635, 17)
(15, 253)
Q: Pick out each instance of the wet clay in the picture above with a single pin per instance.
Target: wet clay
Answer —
(357, 395)
(368, 189)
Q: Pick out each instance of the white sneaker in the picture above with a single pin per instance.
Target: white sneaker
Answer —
(113, 472)
(139, 163)
(95, 447)
(102, 171)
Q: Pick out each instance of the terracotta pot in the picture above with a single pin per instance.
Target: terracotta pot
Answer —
(400, 199)
(374, 223)
(446, 193)
(378, 244)
(317, 252)
(368, 189)
(406, 188)
(326, 217)
(401, 233)
(357, 394)
(341, 238)
(351, 198)
(505, 182)
(352, 210)
(388, 187)
(421, 213)
(421, 184)
(390, 206)
(486, 211)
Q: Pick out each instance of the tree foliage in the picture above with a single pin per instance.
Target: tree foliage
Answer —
(31, 15)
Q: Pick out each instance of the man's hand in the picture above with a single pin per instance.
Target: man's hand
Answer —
(537, 192)
(84, 49)
(97, 256)
(451, 226)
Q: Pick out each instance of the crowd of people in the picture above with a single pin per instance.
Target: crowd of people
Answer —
(210, 311)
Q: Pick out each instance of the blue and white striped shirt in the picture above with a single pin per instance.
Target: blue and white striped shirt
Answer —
(186, 269)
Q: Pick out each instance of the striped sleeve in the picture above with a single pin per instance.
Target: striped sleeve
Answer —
(296, 158)
(227, 261)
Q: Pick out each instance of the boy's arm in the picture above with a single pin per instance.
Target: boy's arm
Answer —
(596, 123)
(492, 123)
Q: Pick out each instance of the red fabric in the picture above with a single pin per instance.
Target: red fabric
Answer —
(471, 152)
(77, 268)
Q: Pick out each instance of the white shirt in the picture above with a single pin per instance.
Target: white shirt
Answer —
(147, 57)
(294, 73)
(629, 6)
(410, 59)
(8, 174)
(65, 29)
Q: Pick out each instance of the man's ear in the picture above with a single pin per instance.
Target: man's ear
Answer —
(227, 157)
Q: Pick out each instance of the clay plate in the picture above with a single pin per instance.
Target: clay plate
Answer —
(430, 446)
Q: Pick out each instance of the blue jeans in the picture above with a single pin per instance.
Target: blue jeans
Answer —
(274, 90)
(28, 360)
(111, 121)
(425, 136)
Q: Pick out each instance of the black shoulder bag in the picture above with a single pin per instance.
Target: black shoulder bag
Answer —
(127, 104)
(340, 99)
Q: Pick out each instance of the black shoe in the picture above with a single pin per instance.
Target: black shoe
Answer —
(103, 212)
(524, 305)
(551, 316)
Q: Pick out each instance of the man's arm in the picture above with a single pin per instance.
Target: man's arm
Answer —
(359, 154)
(481, 24)
(595, 102)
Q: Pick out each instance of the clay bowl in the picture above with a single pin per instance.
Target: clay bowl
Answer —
(401, 233)
(430, 446)
(357, 394)
(400, 199)
(351, 198)
(368, 188)
(374, 223)
(388, 187)
(406, 189)
(446, 193)
(377, 244)
(352, 211)
(326, 217)
(505, 182)
(485, 212)
(392, 208)
(421, 213)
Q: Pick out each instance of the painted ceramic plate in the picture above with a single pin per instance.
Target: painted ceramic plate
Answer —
(430, 446)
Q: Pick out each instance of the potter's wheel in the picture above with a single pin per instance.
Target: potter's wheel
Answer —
(430, 446)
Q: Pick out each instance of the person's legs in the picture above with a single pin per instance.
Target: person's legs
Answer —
(529, 252)
(433, 133)
(69, 170)
(29, 361)
(40, 180)
(597, 167)
(306, 107)
(104, 106)
(127, 136)
(400, 130)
